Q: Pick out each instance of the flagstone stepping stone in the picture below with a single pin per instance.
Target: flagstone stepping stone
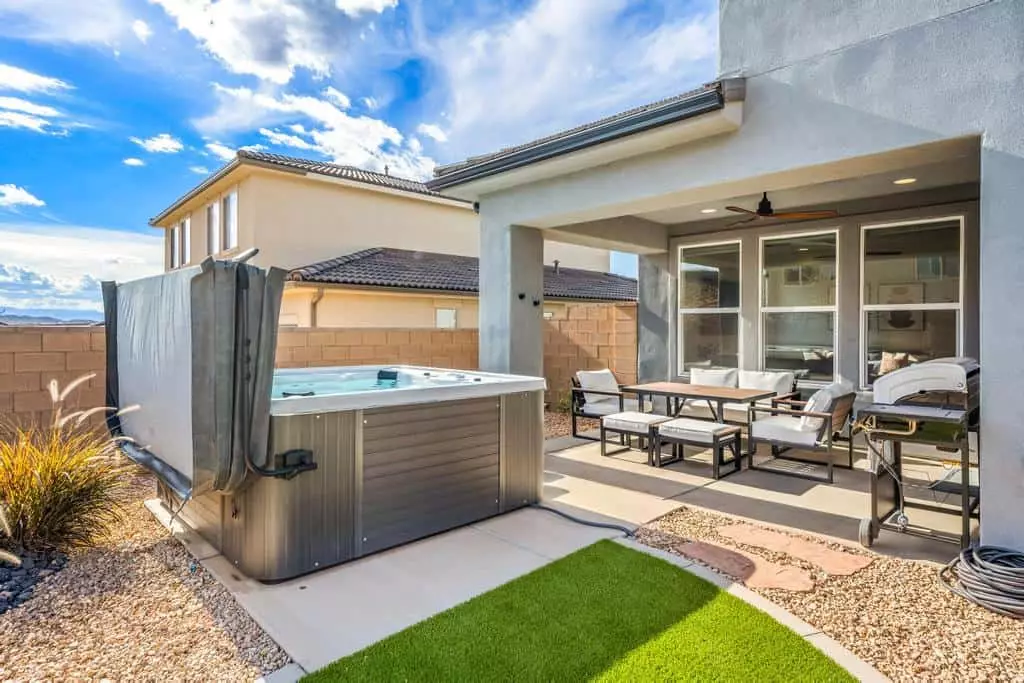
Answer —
(834, 562)
(754, 571)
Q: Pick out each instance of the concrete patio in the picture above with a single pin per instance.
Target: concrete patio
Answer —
(625, 489)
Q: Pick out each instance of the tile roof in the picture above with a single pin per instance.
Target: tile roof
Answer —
(441, 171)
(404, 269)
(358, 175)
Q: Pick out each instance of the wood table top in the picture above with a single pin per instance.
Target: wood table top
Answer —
(699, 391)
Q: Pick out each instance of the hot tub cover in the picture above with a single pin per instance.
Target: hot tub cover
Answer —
(193, 349)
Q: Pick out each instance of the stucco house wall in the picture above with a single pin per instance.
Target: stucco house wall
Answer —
(833, 89)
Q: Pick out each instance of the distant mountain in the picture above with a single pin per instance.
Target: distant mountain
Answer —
(30, 319)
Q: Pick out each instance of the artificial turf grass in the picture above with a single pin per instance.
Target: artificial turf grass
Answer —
(604, 613)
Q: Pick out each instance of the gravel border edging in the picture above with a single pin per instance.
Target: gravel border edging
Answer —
(856, 666)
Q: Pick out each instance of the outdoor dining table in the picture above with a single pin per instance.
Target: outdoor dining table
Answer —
(677, 393)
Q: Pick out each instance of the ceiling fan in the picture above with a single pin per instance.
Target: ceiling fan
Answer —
(765, 211)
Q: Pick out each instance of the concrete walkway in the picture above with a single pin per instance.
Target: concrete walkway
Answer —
(332, 613)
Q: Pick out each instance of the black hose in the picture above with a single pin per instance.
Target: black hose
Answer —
(599, 525)
(989, 576)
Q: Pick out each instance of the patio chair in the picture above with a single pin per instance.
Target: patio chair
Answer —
(596, 394)
(811, 425)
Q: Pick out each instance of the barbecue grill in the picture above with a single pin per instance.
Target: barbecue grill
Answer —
(934, 403)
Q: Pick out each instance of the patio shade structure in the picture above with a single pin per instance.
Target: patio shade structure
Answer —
(922, 159)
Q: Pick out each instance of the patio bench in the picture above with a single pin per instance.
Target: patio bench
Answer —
(629, 424)
(685, 431)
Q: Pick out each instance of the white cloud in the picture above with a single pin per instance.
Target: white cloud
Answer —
(201, 170)
(432, 131)
(323, 127)
(222, 152)
(370, 103)
(141, 30)
(11, 119)
(163, 143)
(339, 98)
(565, 62)
(22, 80)
(271, 38)
(24, 106)
(98, 22)
(60, 266)
(133, 161)
(12, 196)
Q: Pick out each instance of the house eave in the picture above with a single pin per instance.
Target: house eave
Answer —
(463, 182)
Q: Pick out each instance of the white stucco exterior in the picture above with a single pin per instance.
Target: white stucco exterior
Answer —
(836, 91)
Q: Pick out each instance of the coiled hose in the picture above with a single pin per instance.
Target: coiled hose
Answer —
(989, 576)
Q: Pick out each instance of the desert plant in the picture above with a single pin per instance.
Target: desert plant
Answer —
(60, 481)
(9, 558)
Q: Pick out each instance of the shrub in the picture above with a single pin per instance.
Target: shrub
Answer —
(60, 482)
(5, 556)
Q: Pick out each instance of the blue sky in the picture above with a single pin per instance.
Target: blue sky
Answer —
(110, 109)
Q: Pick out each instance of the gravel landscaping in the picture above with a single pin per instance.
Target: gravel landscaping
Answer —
(893, 614)
(557, 423)
(136, 607)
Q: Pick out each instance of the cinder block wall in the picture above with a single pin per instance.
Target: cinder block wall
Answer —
(31, 357)
(583, 336)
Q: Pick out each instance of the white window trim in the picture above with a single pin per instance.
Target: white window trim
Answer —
(174, 243)
(867, 308)
(680, 370)
(224, 227)
(213, 244)
(833, 309)
(185, 228)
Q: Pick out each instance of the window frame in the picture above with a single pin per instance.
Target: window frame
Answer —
(229, 232)
(185, 230)
(864, 308)
(213, 245)
(762, 309)
(680, 311)
(174, 244)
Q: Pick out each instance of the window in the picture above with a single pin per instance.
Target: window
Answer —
(229, 214)
(175, 246)
(186, 240)
(213, 228)
(798, 305)
(911, 296)
(709, 306)
(445, 318)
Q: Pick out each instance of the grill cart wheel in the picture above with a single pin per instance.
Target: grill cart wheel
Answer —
(867, 532)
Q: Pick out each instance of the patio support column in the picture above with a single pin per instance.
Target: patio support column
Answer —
(1002, 357)
(655, 348)
(511, 298)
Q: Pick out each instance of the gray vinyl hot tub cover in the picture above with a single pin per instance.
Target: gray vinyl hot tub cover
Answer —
(193, 349)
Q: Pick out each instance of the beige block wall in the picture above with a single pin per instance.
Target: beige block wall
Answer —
(30, 357)
(584, 336)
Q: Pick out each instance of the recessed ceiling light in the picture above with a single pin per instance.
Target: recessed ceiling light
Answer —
(803, 249)
(904, 181)
(709, 210)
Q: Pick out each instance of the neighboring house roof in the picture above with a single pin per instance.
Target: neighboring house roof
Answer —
(404, 269)
(702, 100)
(303, 166)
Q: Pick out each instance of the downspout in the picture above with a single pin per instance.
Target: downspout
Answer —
(313, 306)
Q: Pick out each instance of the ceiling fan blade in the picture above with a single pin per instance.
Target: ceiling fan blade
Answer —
(738, 209)
(743, 221)
(805, 215)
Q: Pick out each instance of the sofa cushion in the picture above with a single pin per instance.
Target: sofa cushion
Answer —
(637, 423)
(821, 402)
(713, 377)
(776, 382)
(607, 406)
(598, 380)
(785, 429)
(697, 431)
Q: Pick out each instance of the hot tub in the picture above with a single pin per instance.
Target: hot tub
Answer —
(400, 453)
